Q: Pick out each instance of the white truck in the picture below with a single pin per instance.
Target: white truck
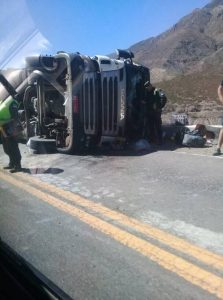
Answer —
(72, 101)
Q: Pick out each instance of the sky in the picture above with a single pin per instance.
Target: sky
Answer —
(91, 27)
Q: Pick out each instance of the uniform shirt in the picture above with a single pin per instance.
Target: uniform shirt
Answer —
(10, 127)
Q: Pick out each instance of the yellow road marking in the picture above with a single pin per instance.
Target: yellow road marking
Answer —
(195, 275)
(203, 255)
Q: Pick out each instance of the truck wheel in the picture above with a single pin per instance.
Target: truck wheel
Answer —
(46, 63)
(42, 145)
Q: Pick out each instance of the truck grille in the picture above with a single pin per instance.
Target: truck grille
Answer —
(89, 104)
(109, 105)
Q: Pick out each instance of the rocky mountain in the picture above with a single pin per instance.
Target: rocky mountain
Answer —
(193, 44)
(187, 62)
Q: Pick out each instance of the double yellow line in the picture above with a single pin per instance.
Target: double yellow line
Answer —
(85, 210)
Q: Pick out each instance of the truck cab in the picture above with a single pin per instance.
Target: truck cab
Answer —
(75, 100)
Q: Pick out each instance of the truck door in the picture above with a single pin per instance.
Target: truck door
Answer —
(136, 77)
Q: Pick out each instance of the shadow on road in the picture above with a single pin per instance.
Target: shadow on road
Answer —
(34, 171)
(111, 150)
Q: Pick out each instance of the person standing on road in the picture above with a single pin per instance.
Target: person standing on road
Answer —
(155, 101)
(220, 138)
(10, 128)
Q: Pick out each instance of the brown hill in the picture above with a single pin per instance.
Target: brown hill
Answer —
(195, 41)
(196, 95)
(187, 62)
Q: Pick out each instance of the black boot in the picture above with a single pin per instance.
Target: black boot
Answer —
(9, 166)
(16, 168)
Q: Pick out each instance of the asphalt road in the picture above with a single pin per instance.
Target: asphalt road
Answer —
(119, 226)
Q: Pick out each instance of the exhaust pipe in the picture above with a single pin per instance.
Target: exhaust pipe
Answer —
(10, 89)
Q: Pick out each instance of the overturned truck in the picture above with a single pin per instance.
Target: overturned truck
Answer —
(73, 101)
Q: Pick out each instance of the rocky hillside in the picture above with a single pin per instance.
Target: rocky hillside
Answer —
(187, 62)
(196, 95)
(190, 45)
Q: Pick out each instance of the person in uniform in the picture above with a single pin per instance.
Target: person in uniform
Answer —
(155, 100)
(10, 128)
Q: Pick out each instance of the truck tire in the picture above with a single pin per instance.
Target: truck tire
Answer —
(42, 145)
(42, 62)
